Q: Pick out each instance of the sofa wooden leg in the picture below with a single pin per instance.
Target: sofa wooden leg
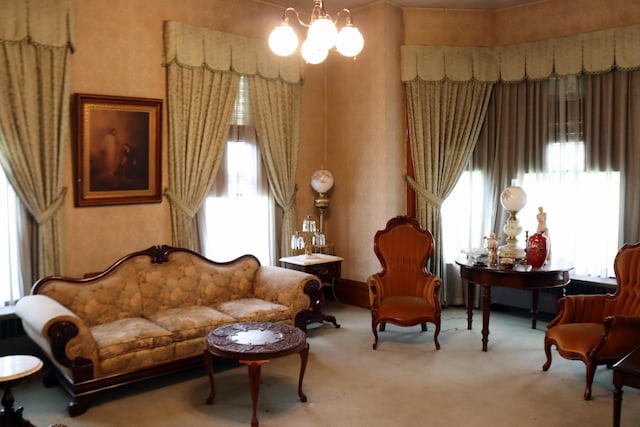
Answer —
(79, 406)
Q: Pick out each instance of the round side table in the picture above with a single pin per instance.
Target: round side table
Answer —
(16, 370)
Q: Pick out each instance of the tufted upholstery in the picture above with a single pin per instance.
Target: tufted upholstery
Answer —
(600, 329)
(404, 292)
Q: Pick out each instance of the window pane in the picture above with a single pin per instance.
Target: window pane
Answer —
(10, 277)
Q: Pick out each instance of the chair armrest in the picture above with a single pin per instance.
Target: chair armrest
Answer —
(280, 285)
(375, 283)
(431, 290)
(580, 308)
(620, 336)
(57, 330)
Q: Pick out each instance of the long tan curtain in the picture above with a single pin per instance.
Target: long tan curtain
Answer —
(36, 42)
(444, 122)
(276, 108)
(203, 73)
(200, 104)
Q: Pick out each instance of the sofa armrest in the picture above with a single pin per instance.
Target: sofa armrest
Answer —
(58, 331)
(292, 288)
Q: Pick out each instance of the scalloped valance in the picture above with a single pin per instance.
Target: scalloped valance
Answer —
(44, 22)
(190, 46)
(595, 52)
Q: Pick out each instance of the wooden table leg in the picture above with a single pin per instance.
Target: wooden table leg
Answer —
(208, 361)
(471, 296)
(617, 404)
(534, 308)
(486, 309)
(254, 367)
(304, 355)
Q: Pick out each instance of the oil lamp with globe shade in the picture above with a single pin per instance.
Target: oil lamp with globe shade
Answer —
(513, 199)
(322, 182)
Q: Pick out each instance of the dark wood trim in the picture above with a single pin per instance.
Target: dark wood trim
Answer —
(353, 293)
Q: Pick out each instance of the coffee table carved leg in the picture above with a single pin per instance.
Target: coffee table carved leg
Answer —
(254, 384)
(208, 361)
(304, 355)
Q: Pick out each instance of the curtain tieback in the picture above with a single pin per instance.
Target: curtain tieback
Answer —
(48, 213)
(424, 192)
(177, 202)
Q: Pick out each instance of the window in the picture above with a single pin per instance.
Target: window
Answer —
(11, 284)
(582, 207)
(239, 211)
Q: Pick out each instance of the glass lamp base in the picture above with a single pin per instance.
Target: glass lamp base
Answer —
(511, 251)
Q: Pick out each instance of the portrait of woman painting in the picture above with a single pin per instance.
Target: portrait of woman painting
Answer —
(118, 150)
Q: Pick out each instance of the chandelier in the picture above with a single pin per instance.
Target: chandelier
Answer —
(322, 35)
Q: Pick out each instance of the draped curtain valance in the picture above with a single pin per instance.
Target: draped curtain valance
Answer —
(594, 52)
(190, 46)
(47, 23)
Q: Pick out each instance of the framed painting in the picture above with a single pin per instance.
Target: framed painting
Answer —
(118, 150)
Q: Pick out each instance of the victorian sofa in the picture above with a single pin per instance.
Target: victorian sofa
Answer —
(149, 312)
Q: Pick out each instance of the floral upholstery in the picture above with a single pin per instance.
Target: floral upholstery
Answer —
(152, 309)
(127, 335)
(228, 282)
(168, 285)
(255, 310)
(190, 322)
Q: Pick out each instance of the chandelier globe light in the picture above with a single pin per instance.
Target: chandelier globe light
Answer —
(283, 41)
(322, 35)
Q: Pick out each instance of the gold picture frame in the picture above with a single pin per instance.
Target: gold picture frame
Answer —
(118, 150)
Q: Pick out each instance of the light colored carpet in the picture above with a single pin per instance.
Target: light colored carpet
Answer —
(406, 382)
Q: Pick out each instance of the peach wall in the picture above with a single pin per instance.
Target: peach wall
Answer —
(119, 52)
(366, 155)
(352, 111)
(518, 24)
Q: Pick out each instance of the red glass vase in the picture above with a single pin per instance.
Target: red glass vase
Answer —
(537, 249)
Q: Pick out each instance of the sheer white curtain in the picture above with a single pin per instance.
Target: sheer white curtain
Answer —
(534, 134)
(12, 227)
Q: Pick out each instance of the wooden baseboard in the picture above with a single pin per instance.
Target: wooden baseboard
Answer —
(352, 292)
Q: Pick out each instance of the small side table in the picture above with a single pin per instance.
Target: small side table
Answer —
(14, 370)
(625, 372)
(327, 268)
(254, 344)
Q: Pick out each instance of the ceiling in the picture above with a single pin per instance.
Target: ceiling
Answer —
(448, 4)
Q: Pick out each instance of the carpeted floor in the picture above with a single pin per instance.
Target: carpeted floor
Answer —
(406, 382)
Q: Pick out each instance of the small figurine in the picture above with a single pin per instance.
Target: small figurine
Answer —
(492, 245)
(542, 221)
(542, 226)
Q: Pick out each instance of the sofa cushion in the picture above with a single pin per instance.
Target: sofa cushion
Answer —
(127, 335)
(255, 310)
(190, 322)
(225, 282)
(115, 296)
(170, 284)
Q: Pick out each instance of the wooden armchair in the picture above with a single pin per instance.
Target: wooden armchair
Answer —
(600, 329)
(404, 292)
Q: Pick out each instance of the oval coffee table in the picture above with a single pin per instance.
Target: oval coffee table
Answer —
(254, 344)
(14, 370)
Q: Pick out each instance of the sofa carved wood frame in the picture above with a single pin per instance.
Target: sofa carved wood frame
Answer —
(85, 386)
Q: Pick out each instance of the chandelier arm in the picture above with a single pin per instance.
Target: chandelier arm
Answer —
(285, 18)
(346, 12)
